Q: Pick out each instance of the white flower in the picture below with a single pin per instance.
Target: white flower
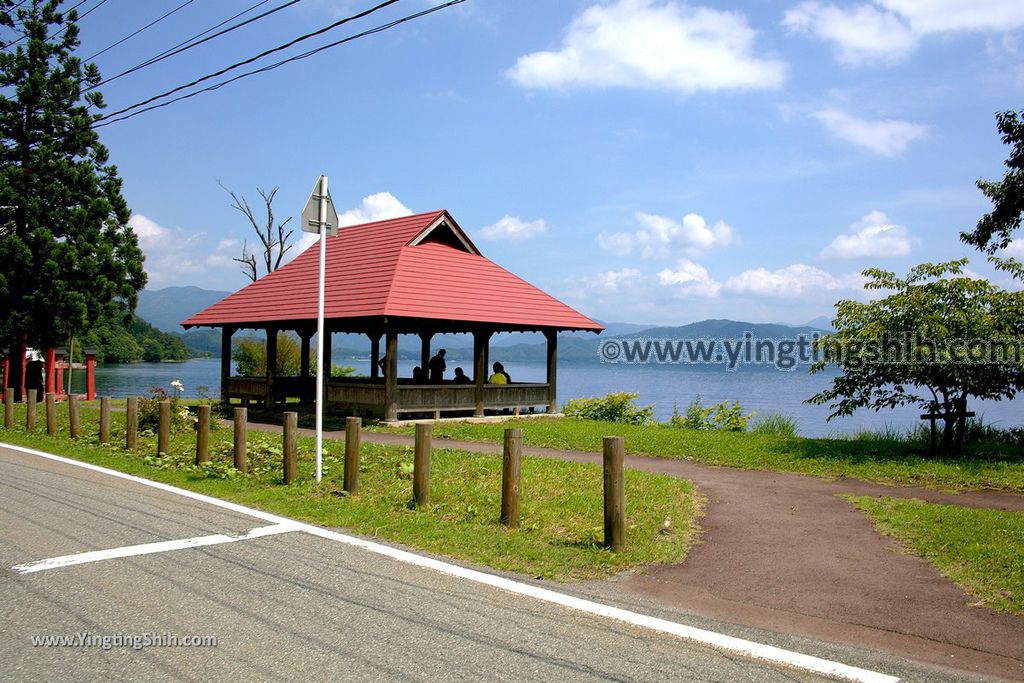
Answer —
(177, 384)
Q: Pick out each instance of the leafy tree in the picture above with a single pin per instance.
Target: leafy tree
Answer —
(152, 352)
(250, 355)
(69, 257)
(272, 236)
(995, 230)
(936, 339)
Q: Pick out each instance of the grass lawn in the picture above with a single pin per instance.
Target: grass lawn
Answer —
(981, 550)
(561, 505)
(877, 459)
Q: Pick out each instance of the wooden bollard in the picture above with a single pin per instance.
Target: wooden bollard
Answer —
(421, 465)
(131, 423)
(203, 435)
(291, 446)
(241, 452)
(30, 410)
(51, 413)
(614, 494)
(512, 452)
(163, 430)
(353, 436)
(104, 419)
(9, 408)
(73, 415)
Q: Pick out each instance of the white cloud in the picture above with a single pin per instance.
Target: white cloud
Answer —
(171, 253)
(889, 30)
(873, 236)
(887, 137)
(689, 278)
(796, 280)
(934, 16)
(861, 34)
(513, 228)
(1015, 249)
(661, 237)
(653, 44)
(375, 207)
(604, 283)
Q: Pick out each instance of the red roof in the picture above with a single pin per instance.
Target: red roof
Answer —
(421, 266)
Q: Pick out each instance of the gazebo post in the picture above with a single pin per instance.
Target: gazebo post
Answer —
(271, 364)
(481, 340)
(391, 378)
(304, 337)
(425, 338)
(225, 361)
(374, 355)
(552, 337)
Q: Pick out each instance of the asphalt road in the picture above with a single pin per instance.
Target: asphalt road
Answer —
(289, 606)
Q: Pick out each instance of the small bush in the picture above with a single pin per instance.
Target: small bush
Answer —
(615, 407)
(723, 417)
(149, 411)
(775, 424)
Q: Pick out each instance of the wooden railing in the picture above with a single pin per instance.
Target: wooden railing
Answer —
(368, 395)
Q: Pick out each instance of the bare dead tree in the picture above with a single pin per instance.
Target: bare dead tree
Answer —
(272, 236)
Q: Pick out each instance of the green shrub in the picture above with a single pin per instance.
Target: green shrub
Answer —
(775, 424)
(725, 416)
(149, 411)
(615, 407)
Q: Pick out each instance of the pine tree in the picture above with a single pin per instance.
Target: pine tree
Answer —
(67, 255)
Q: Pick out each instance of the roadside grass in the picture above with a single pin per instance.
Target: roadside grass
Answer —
(561, 505)
(980, 550)
(885, 458)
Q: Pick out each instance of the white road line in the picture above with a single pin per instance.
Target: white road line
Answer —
(149, 549)
(720, 641)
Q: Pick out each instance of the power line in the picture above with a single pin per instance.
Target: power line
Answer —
(250, 60)
(170, 52)
(83, 15)
(138, 31)
(73, 7)
(270, 67)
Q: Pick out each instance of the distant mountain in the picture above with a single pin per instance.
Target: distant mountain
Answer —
(165, 308)
(726, 329)
(822, 322)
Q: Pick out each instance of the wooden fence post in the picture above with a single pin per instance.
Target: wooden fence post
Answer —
(512, 453)
(421, 465)
(131, 427)
(73, 415)
(353, 428)
(614, 493)
(241, 453)
(104, 419)
(291, 445)
(203, 435)
(163, 434)
(9, 408)
(30, 410)
(51, 413)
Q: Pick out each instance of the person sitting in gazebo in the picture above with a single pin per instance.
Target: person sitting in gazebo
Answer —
(461, 377)
(499, 376)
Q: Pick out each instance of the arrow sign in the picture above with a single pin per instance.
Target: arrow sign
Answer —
(311, 214)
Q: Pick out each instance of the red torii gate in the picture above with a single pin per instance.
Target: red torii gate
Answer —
(53, 367)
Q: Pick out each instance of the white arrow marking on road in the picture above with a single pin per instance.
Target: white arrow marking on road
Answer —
(149, 548)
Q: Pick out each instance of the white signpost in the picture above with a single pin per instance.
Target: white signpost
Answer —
(319, 216)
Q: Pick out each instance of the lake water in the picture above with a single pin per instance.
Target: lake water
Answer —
(760, 389)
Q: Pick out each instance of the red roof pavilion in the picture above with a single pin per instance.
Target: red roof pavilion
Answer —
(418, 274)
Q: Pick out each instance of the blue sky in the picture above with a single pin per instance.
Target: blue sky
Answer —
(643, 160)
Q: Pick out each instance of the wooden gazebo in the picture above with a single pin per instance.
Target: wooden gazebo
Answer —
(417, 275)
